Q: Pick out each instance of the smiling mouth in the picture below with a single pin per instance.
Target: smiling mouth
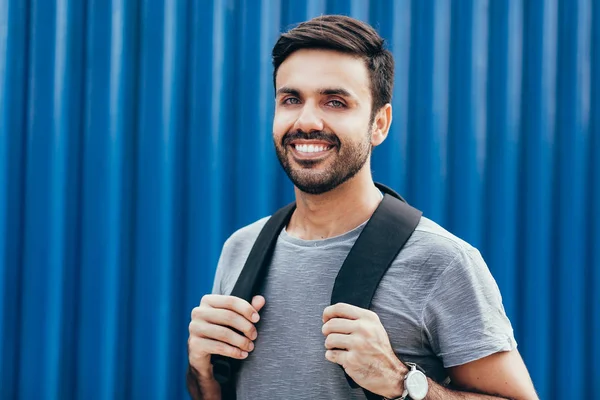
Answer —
(311, 150)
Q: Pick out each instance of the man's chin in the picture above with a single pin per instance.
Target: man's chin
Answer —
(312, 186)
(314, 190)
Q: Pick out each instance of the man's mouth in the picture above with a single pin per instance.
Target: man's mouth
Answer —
(306, 150)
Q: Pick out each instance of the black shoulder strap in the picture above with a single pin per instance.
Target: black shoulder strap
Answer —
(387, 231)
(247, 285)
(257, 263)
(389, 228)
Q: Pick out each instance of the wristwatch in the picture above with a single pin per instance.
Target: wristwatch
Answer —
(415, 384)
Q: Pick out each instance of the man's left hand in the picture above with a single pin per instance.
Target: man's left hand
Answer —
(356, 340)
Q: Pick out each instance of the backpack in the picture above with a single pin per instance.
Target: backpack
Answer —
(384, 235)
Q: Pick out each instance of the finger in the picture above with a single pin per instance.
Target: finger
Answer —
(258, 302)
(337, 356)
(339, 341)
(232, 303)
(199, 346)
(221, 334)
(340, 325)
(230, 319)
(343, 310)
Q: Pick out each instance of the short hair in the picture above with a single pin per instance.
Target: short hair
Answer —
(346, 35)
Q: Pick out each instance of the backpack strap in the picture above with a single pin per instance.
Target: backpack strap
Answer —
(248, 284)
(377, 246)
(388, 229)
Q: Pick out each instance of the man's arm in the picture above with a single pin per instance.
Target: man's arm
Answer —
(202, 387)
(499, 376)
(356, 340)
(221, 325)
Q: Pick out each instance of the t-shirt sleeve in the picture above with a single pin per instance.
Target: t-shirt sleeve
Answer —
(220, 273)
(464, 318)
(217, 289)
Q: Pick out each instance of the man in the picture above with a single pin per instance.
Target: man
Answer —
(437, 306)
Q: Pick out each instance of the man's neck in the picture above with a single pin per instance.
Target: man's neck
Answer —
(335, 212)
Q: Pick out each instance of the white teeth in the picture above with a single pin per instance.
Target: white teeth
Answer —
(310, 148)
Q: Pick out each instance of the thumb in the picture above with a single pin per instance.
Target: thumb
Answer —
(258, 302)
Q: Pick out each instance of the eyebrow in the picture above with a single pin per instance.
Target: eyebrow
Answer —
(323, 92)
(287, 90)
(335, 92)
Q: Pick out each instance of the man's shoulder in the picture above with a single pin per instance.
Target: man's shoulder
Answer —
(244, 237)
(249, 232)
(433, 234)
(234, 254)
(436, 247)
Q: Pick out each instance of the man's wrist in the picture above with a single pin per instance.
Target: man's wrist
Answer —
(203, 373)
(396, 388)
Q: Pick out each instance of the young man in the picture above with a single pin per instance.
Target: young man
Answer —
(437, 306)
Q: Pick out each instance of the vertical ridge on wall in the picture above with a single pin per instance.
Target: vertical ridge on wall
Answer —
(503, 123)
(427, 124)
(571, 125)
(13, 98)
(108, 112)
(536, 195)
(97, 207)
(158, 250)
(200, 237)
(52, 198)
(35, 251)
(222, 97)
(467, 134)
(198, 242)
(593, 233)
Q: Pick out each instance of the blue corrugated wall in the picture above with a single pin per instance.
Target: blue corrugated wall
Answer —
(135, 136)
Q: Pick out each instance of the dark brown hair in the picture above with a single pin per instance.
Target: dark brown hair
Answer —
(346, 35)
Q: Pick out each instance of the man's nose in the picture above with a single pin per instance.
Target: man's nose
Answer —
(309, 119)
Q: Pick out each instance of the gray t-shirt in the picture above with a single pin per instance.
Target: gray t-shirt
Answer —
(438, 303)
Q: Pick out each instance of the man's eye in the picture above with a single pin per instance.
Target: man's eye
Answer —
(336, 104)
(291, 100)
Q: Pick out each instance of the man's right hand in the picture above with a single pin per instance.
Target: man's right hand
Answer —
(214, 325)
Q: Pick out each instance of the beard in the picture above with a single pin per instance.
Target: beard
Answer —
(349, 159)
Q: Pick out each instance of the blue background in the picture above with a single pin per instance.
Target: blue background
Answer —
(135, 137)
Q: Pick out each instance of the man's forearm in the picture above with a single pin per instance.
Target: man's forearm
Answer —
(202, 386)
(439, 392)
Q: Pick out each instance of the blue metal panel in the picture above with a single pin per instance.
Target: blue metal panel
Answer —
(535, 194)
(203, 194)
(158, 260)
(254, 111)
(427, 125)
(389, 163)
(593, 232)
(51, 200)
(109, 83)
(572, 120)
(135, 137)
(502, 155)
(13, 71)
(467, 133)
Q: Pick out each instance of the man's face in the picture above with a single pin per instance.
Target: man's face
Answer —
(321, 129)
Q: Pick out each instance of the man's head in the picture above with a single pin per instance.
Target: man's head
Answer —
(333, 85)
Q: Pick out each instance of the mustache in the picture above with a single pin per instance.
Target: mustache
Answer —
(314, 135)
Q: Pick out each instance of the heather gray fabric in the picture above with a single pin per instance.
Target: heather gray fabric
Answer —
(438, 302)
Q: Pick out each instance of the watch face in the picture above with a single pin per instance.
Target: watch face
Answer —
(416, 384)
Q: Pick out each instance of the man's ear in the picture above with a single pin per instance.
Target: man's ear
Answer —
(381, 125)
